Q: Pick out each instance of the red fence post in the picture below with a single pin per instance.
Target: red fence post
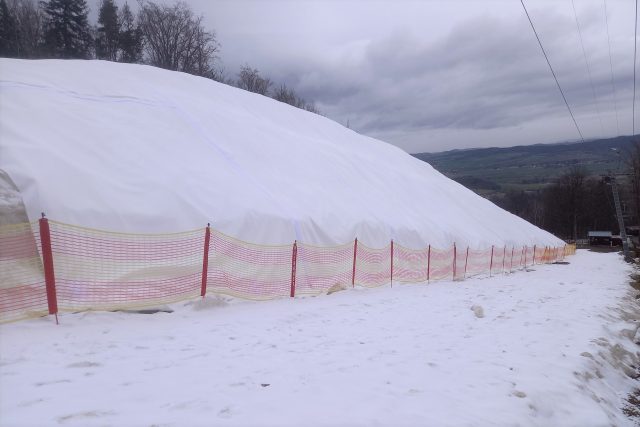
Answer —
(353, 274)
(504, 256)
(294, 259)
(392, 263)
(205, 260)
(466, 260)
(511, 266)
(429, 264)
(491, 262)
(534, 255)
(525, 257)
(47, 261)
(454, 260)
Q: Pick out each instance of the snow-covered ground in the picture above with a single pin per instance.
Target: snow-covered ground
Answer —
(546, 347)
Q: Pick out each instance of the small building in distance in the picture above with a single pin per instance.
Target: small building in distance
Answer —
(600, 238)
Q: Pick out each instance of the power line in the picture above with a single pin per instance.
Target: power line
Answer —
(551, 68)
(635, 50)
(613, 85)
(586, 61)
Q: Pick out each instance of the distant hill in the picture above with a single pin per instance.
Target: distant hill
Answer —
(497, 170)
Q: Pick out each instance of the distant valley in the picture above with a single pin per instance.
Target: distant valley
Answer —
(495, 171)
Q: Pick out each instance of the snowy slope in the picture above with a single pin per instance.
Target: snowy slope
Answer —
(136, 148)
(551, 350)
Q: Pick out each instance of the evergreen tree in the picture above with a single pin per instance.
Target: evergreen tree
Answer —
(8, 31)
(108, 38)
(67, 28)
(130, 40)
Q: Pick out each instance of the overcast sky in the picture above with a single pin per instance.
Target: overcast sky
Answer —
(439, 75)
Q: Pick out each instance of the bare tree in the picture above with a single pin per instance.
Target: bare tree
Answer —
(289, 96)
(175, 39)
(564, 203)
(251, 80)
(29, 23)
(108, 32)
(633, 168)
(129, 37)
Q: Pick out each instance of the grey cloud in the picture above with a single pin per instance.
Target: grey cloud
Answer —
(485, 74)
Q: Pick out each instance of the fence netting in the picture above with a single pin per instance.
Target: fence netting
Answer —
(410, 265)
(244, 270)
(22, 287)
(373, 266)
(320, 269)
(99, 270)
(48, 266)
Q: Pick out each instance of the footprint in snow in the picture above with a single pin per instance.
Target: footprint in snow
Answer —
(40, 384)
(87, 414)
(225, 412)
(84, 364)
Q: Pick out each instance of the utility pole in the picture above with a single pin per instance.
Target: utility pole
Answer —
(611, 180)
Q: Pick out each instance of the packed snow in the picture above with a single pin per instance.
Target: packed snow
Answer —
(550, 346)
(135, 148)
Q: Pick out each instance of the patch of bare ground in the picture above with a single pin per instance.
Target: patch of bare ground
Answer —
(631, 406)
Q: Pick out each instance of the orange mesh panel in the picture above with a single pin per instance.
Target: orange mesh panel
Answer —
(441, 264)
(373, 266)
(499, 260)
(101, 270)
(539, 254)
(410, 265)
(22, 287)
(518, 258)
(245, 270)
(318, 269)
(478, 262)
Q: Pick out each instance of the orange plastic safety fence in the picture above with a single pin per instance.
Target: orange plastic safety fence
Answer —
(246, 270)
(22, 286)
(441, 265)
(570, 250)
(410, 265)
(477, 262)
(100, 270)
(498, 263)
(373, 266)
(320, 269)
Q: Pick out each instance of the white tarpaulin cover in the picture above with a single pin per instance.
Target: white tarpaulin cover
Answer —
(139, 149)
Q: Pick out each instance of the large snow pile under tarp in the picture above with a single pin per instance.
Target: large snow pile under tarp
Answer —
(140, 149)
